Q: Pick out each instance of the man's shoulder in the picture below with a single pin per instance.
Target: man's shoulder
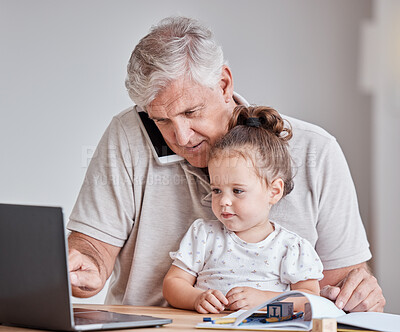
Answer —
(127, 116)
(308, 129)
(127, 124)
(126, 112)
(301, 129)
(308, 139)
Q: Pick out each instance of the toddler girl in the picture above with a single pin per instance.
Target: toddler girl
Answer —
(243, 258)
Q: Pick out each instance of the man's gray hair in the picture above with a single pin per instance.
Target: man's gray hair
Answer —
(177, 47)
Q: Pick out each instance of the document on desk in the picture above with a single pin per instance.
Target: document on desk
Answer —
(318, 307)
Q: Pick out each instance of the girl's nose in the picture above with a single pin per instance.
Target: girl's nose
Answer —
(225, 201)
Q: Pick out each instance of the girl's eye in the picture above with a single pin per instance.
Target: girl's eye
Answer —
(216, 191)
(237, 191)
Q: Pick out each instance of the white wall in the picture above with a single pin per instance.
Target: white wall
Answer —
(62, 70)
(386, 152)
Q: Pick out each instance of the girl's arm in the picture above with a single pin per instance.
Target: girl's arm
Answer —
(310, 286)
(248, 297)
(178, 290)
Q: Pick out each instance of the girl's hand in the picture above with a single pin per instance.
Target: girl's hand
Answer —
(247, 297)
(211, 301)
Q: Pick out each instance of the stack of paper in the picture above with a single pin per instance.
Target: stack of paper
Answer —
(320, 308)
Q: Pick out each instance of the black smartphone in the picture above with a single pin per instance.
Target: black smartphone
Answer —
(161, 151)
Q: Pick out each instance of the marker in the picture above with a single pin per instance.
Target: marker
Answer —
(223, 320)
(226, 320)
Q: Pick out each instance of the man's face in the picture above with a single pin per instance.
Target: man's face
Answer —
(191, 118)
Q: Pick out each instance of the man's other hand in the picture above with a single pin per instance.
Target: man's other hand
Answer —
(357, 291)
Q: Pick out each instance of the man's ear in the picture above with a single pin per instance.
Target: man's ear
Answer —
(276, 191)
(226, 83)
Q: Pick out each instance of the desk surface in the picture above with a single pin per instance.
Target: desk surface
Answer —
(183, 320)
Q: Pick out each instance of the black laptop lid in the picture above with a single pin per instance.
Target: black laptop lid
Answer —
(32, 239)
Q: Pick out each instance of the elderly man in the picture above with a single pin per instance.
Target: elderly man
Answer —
(132, 211)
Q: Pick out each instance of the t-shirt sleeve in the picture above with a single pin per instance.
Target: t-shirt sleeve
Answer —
(342, 240)
(301, 262)
(191, 253)
(105, 205)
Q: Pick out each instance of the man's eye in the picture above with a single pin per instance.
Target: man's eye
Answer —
(190, 113)
(216, 191)
(237, 191)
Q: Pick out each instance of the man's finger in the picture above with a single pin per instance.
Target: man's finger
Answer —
(379, 307)
(360, 297)
(350, 283)
(330, 292)
(85, 280)
(374, 301)
(81, 280)
(75, 260)
(74, 279)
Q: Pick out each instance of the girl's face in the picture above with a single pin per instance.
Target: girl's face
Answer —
(241, 199)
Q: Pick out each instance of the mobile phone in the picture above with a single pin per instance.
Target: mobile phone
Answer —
(161, 151)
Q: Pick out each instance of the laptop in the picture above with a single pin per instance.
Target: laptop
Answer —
(34, 280)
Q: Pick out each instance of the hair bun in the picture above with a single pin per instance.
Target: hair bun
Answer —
(261, 117)
(253, 122)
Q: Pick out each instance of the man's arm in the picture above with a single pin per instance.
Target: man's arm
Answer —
(90, 264)
(353, 288)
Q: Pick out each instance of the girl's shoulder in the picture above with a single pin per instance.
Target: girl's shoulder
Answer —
(209, 227)
(286, 236)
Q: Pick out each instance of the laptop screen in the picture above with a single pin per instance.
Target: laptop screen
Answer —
(33, 267)
(34, 288)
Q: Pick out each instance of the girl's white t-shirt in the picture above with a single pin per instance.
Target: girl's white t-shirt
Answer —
(220, 260)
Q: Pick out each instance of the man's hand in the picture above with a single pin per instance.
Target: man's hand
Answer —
(211, 301)
(357, 291)
(84, 274)
(247, 297)
(90, 263)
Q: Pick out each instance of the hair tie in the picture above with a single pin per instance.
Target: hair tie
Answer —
(253, 122)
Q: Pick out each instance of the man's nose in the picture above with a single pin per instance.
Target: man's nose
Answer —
(183, 132)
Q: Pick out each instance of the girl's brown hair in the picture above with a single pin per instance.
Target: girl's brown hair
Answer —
(259, 134)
